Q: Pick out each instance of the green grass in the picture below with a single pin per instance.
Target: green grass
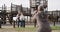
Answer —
(34, 28)
(55, 27)
(29, 29)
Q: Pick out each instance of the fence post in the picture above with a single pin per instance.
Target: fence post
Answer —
(18, 24)
(0, 22)
(14, 24)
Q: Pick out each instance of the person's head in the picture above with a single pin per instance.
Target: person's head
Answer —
(45, 5)
(21, 13)
(40, 8)
(35, 9)
(18, 12)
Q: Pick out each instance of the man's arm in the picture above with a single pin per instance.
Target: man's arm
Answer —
(34, 17)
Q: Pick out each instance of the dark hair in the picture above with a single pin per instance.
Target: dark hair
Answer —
(40, 8)
(45, 6)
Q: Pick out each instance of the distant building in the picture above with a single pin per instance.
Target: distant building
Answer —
(54, 13)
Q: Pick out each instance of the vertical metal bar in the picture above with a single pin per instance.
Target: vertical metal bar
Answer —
(11, 16)
(30, 11)
(30, 15)
(4, 14)
(27, 16)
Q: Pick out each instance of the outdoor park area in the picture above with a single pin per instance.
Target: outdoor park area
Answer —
(26, 29)
(28, 16)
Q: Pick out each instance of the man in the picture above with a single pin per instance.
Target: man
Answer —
(35, 22)
(0, 22)
(41, 18)
(18, 19)
(22, 19)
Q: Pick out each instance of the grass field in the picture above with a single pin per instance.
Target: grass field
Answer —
(27, 29)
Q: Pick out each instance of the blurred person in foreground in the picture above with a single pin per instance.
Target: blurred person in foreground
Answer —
(41, 17)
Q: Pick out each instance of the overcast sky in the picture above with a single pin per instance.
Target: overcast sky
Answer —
(25, 3)
(52, 4)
